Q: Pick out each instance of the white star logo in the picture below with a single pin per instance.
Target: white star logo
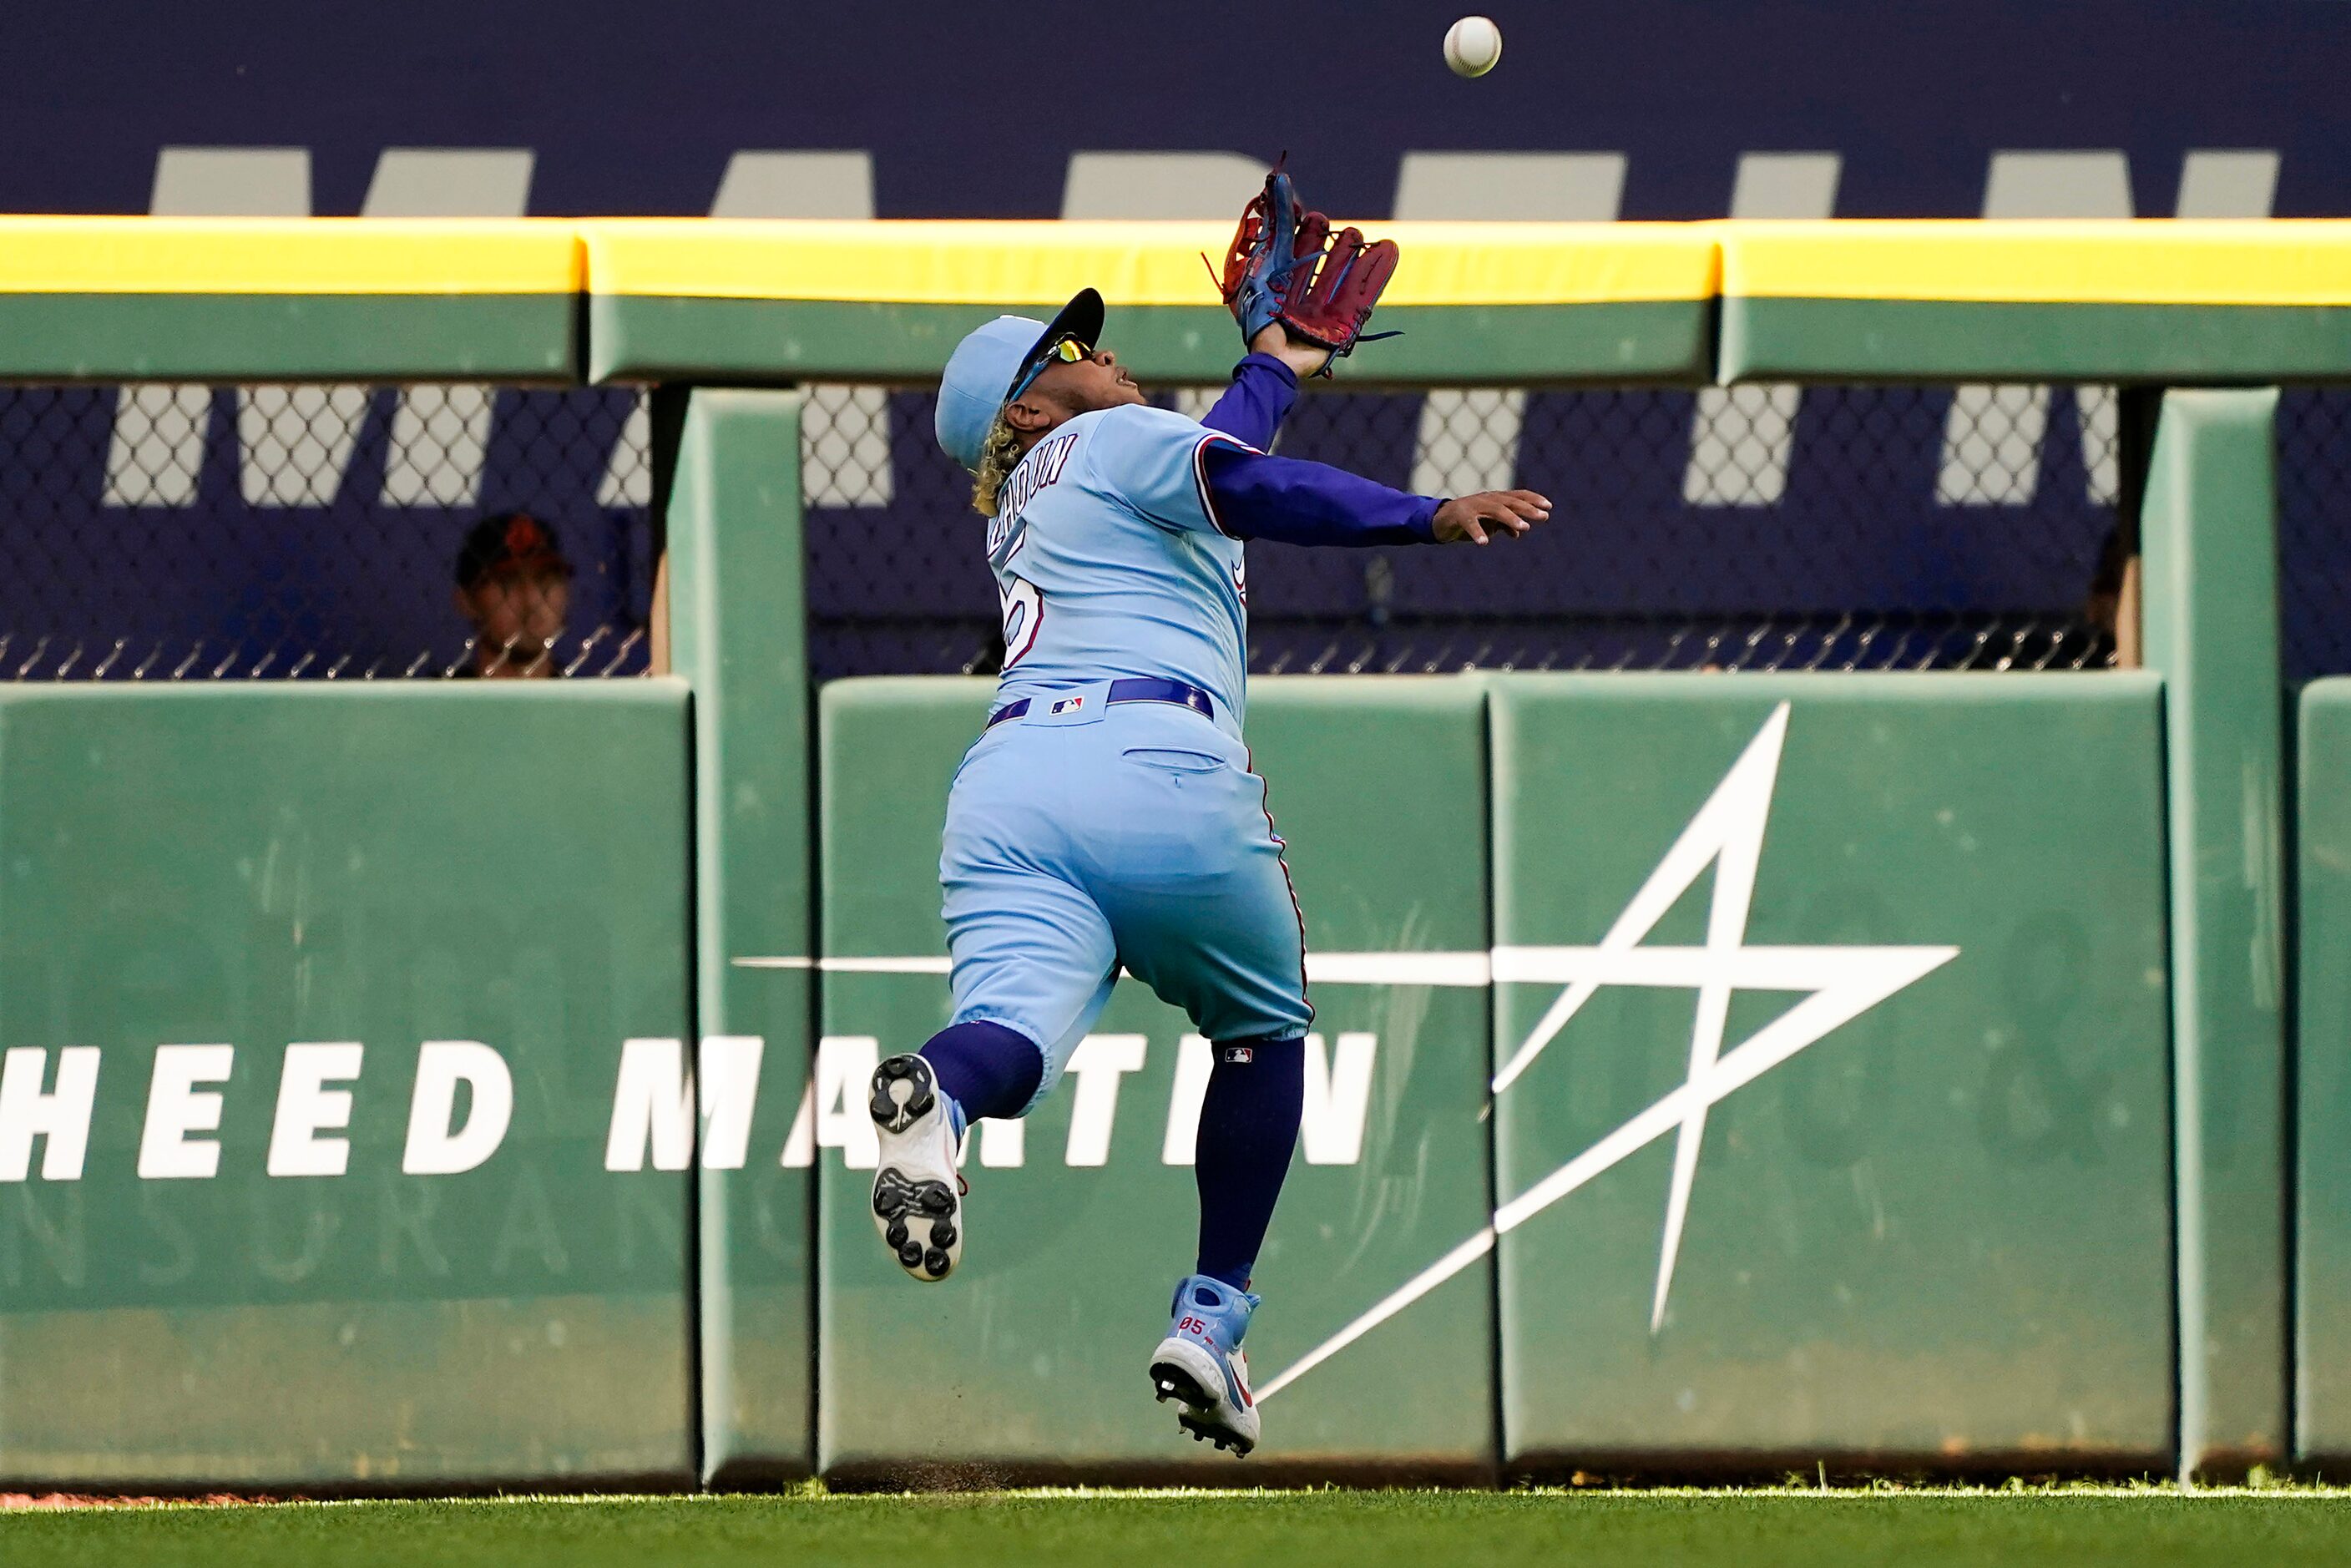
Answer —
(1840, 983)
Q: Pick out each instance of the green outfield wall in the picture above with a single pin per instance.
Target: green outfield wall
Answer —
(292, 951)
(1903, 938)
(324, 987)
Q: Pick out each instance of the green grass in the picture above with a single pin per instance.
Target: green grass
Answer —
(1275, 1529)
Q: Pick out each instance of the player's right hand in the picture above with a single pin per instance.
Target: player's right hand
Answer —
(1304, 360)
(1488, 515)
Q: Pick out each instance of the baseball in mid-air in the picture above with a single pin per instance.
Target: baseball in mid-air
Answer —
(1473, 45)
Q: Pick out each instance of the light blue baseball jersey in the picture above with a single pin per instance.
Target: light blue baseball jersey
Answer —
(1109, 561)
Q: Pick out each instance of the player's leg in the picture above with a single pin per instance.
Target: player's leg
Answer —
(981, 1068)
(987, 1070)
(1201, 907)
(1248, 1126)
(925, 1099)
(1032, 966)
(1236, 968)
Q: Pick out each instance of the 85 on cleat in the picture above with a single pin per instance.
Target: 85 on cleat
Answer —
(917, 1193)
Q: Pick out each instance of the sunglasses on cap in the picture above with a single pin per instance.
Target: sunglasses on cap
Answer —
(1069, 348)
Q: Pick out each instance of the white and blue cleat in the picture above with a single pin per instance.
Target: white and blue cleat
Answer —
(917, 1193)
(1200, 1366)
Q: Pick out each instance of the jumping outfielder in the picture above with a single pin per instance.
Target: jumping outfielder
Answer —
(1106, 818)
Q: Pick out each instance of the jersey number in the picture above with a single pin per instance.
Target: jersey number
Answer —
(1024, 613)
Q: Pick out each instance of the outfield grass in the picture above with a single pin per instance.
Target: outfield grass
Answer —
(1276, 1530)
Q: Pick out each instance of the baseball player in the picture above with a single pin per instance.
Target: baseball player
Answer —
(1106, 818)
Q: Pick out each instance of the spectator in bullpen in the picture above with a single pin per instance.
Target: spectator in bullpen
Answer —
(514, 587)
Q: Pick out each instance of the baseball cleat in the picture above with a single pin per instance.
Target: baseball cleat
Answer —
(917, 1195)
(1200, 1367)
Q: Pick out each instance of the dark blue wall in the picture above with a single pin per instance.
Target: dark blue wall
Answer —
(972, 109)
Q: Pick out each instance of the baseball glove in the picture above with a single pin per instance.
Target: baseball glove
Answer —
(1284, 265)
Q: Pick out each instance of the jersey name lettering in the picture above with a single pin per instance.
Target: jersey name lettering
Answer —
(1039, 469)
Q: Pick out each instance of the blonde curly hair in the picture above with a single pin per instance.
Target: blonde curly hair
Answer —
(999, 455)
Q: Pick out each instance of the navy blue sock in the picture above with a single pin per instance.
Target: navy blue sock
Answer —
(1249, 1125)
(987, 1069)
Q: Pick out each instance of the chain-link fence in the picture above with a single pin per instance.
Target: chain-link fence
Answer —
(1751, 528)
(164, 532)
(182, 532)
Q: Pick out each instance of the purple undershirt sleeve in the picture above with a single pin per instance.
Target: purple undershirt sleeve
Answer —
(1252, 408)
(1294, 502)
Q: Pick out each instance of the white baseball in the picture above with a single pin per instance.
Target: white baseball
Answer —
(1473, 45)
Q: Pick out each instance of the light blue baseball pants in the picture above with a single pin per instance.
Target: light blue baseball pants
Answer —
(1117, 836)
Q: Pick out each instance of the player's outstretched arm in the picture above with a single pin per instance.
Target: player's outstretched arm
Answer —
(1255, 496)
(1489, 514)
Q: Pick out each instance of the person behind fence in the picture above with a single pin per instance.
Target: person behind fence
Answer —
(514, 586)
(1107, 817)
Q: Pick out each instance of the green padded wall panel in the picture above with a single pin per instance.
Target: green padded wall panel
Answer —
(258, 869)
(1864, 976)
(737, 635)
(2209, 530)
(2323, 1079)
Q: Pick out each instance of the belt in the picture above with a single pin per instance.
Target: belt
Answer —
(1134, 689)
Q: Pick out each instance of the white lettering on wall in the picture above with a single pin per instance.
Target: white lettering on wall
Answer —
(60, 1116)
(435, 1146)
(727, 1077)
(1098, 1062)
(1003, 1144)
(832, 1113)
(1338, 1093)
(652, 1104)
(306, 1107)
(667, 1111)
(176, 1108)
(1193, 1062)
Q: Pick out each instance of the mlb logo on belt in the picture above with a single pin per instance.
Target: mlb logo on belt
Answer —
(1068, 705)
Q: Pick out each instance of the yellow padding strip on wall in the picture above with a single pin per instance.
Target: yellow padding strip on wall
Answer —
(289, 256)
(1042, 264)
(2143, 262)
(1033, 264)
